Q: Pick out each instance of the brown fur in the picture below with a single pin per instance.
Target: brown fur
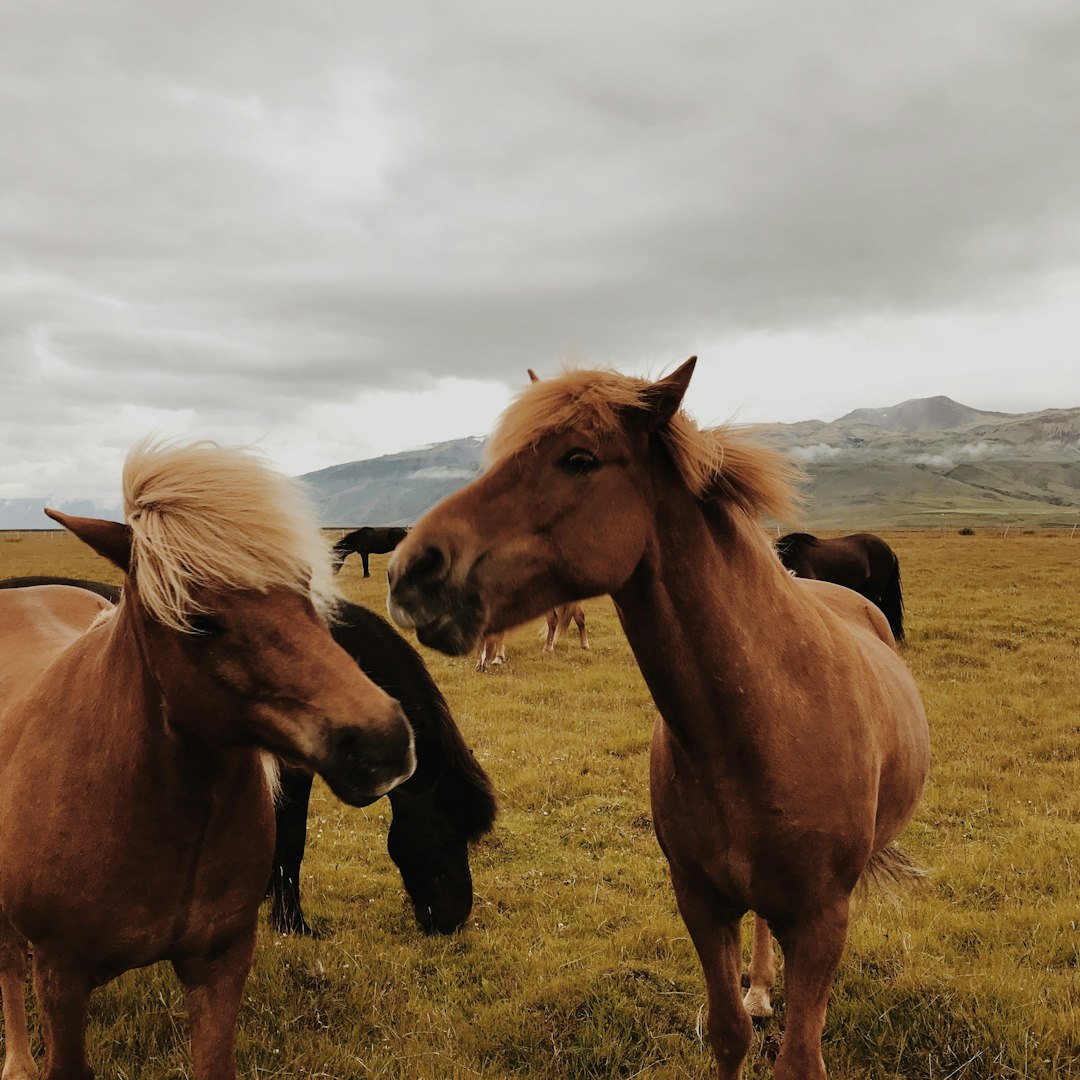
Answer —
(791, 746)
(136, 822)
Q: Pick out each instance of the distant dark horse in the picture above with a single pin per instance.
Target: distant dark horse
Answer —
(445, 804)
(862, 561)
(370, 540)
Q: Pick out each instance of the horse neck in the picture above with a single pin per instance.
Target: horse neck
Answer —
(705, 613)
(142, 727)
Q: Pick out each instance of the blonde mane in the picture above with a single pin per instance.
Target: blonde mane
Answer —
(205, 515)
(720, 463)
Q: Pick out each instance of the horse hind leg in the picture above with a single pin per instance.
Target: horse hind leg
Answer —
(762, 973)
(18, 1063)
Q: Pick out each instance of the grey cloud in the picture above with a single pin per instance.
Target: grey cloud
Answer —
(248, 206)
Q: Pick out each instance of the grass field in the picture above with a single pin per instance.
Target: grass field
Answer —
(576, 964)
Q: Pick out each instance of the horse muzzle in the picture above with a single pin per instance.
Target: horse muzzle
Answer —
(445, 616)
(360, 767)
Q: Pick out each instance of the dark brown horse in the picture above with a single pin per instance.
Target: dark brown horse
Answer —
(369, 540)
(861, 561)
(791, 745)
(447, 803)
(136, 817)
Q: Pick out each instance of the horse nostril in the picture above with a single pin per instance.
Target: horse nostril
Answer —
(430, 566)
(350, 746)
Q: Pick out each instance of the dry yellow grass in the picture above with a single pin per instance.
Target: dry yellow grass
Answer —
(575, 963)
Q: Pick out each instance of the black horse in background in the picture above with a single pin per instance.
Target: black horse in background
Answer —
(446, 803)
(369, 540)
(861, 561)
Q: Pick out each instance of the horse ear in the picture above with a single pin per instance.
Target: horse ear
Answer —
(107, 538)
(533, 377)
(663, 398)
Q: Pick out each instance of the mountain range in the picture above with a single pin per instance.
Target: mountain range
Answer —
(927, 461)
(933, 460)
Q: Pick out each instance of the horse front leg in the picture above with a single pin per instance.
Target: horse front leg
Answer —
(213, 988)
(716, 937)
(583, 637)
(758, 999)
(18, 1061)
(812, 950)
(364, 560)
(552, 630)
(63, 996)
(291, 812)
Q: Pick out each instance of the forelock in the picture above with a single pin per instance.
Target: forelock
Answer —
(203, 515)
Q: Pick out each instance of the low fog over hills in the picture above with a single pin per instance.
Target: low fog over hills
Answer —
(913, 462)
(909, 464)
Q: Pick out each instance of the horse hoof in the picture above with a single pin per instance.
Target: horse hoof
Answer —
(758, 1005)
(20, 1072)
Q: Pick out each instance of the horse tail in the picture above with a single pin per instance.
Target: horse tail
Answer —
(892, 602)
(890, 870)
(339, 552)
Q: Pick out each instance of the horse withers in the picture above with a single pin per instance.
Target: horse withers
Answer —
(136, 816)
(861, 561)
(791, 745)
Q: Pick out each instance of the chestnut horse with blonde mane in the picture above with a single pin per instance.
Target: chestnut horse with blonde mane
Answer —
(791, 745)
(136, 815)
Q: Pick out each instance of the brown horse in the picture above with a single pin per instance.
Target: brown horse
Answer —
(136, 816)
(493, 646)
(791, 745)
(862, 561)
(558, 622)
(492, 651)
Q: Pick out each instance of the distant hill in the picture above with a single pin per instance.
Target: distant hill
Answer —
(397, 488)
(30, 513)
(935, 414)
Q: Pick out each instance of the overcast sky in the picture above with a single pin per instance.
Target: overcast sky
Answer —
(345, 229)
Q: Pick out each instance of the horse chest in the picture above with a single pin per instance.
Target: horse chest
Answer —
(183, 870)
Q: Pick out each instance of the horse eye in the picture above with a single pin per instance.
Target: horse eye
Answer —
(206, 625)
(578, 462)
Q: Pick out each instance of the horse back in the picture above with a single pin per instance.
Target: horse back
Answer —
(851, 607)
(36, 625)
